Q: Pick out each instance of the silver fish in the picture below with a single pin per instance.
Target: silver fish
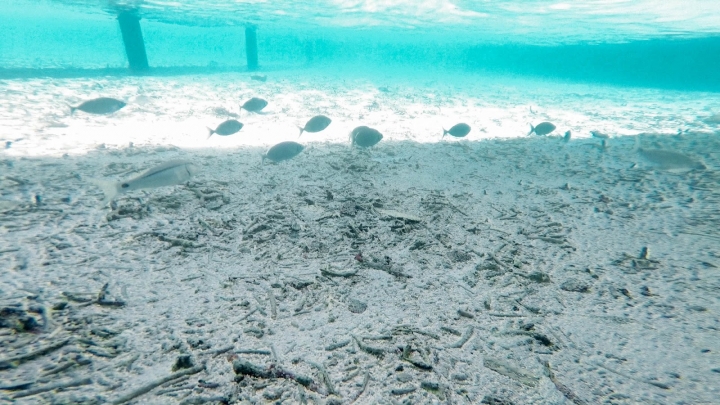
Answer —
(228, 127)
(170, 173)
(255, 105)
(712, 120)
(365, 137)
(542, 128)
(457, 130)
(316, 124)
(102, 105)
(666, 159)
(283, 151)
(223, 112)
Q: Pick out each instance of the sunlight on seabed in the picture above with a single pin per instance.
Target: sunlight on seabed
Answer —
(177, 112)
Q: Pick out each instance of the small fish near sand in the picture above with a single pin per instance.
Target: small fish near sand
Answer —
(365, 137)
(283, 151)
(316, 124)
(599, 135)
(226, 128)
(542, 128)
(669, 160)
(712, 120)
(457, 130)
(254, 105)
(223, 112)
(258, 78)
(170, 173)
(102, 105)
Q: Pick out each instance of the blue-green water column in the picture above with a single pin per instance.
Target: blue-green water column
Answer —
(251, 47)
(133, 40)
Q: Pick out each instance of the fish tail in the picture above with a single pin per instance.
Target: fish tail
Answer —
(532, 129)
(110, 188)
(72, 109)
(444, 132)
(210, 132)
(301, 130)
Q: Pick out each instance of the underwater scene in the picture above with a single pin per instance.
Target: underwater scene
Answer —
(345, 202)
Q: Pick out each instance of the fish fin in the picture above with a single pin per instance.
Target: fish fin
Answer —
(110, 188)
(444, 133)
(210, 132)
(532, 129)
(301, 130)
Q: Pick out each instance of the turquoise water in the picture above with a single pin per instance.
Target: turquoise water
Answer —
(675, 44)
(146, 261)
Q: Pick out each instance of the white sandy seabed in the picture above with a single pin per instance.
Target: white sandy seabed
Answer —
(499, 268)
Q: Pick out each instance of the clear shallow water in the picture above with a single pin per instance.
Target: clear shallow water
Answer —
(611, 259)
(534, 21)
(631, 43)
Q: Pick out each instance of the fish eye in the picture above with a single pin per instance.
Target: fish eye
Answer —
(125, 185)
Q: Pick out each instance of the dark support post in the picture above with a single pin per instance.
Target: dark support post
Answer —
(251, 47)
(133, 40)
